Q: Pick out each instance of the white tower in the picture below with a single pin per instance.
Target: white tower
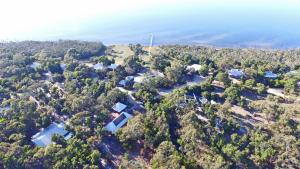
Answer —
(151, 43)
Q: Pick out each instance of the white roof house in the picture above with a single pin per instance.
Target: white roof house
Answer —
(34, 65)
(43, 138)
(113, 66)
(119, 107)
(98, 66)
(196, 67)
(235, 73)
(118, 122)
(270, 74)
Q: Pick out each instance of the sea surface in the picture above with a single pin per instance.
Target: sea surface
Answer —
(259, 26)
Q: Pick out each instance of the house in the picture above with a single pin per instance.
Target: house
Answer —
(196, 67)
(113, 66)
(118, 122)
(34, 65)
(98, 66)
(128, 81)
(43, 138)
(235, 73)
(119, 107)
(270, 75)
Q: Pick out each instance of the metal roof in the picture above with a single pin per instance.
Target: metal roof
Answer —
(43, 138)
(118, 122)
(235, 73)
(119, 107)
(270, 74)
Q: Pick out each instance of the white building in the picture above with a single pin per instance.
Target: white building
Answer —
(118, 122)
(43, 138)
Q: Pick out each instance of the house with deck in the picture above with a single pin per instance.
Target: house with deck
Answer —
(43, 138)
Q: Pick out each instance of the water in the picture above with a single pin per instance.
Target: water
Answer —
(261, 25)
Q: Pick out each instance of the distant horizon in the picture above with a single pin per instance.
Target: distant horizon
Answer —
(247, 24)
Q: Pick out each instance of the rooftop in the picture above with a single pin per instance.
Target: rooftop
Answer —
(119, 107)
(43, 138)
(34, 65)
(98, 66)
(235, 73)
(118, 122)
(113, 66)
(196, 67)
(270, 74)
(63, 66)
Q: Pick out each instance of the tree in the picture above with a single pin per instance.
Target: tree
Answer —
(223, 77)
(58, 139)
(159, 62)
(232, 94)
(290, 86)
(133, 131)
(132, 65)
(204, 70)
(166, 156)
(175, 73)
(261, 88)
